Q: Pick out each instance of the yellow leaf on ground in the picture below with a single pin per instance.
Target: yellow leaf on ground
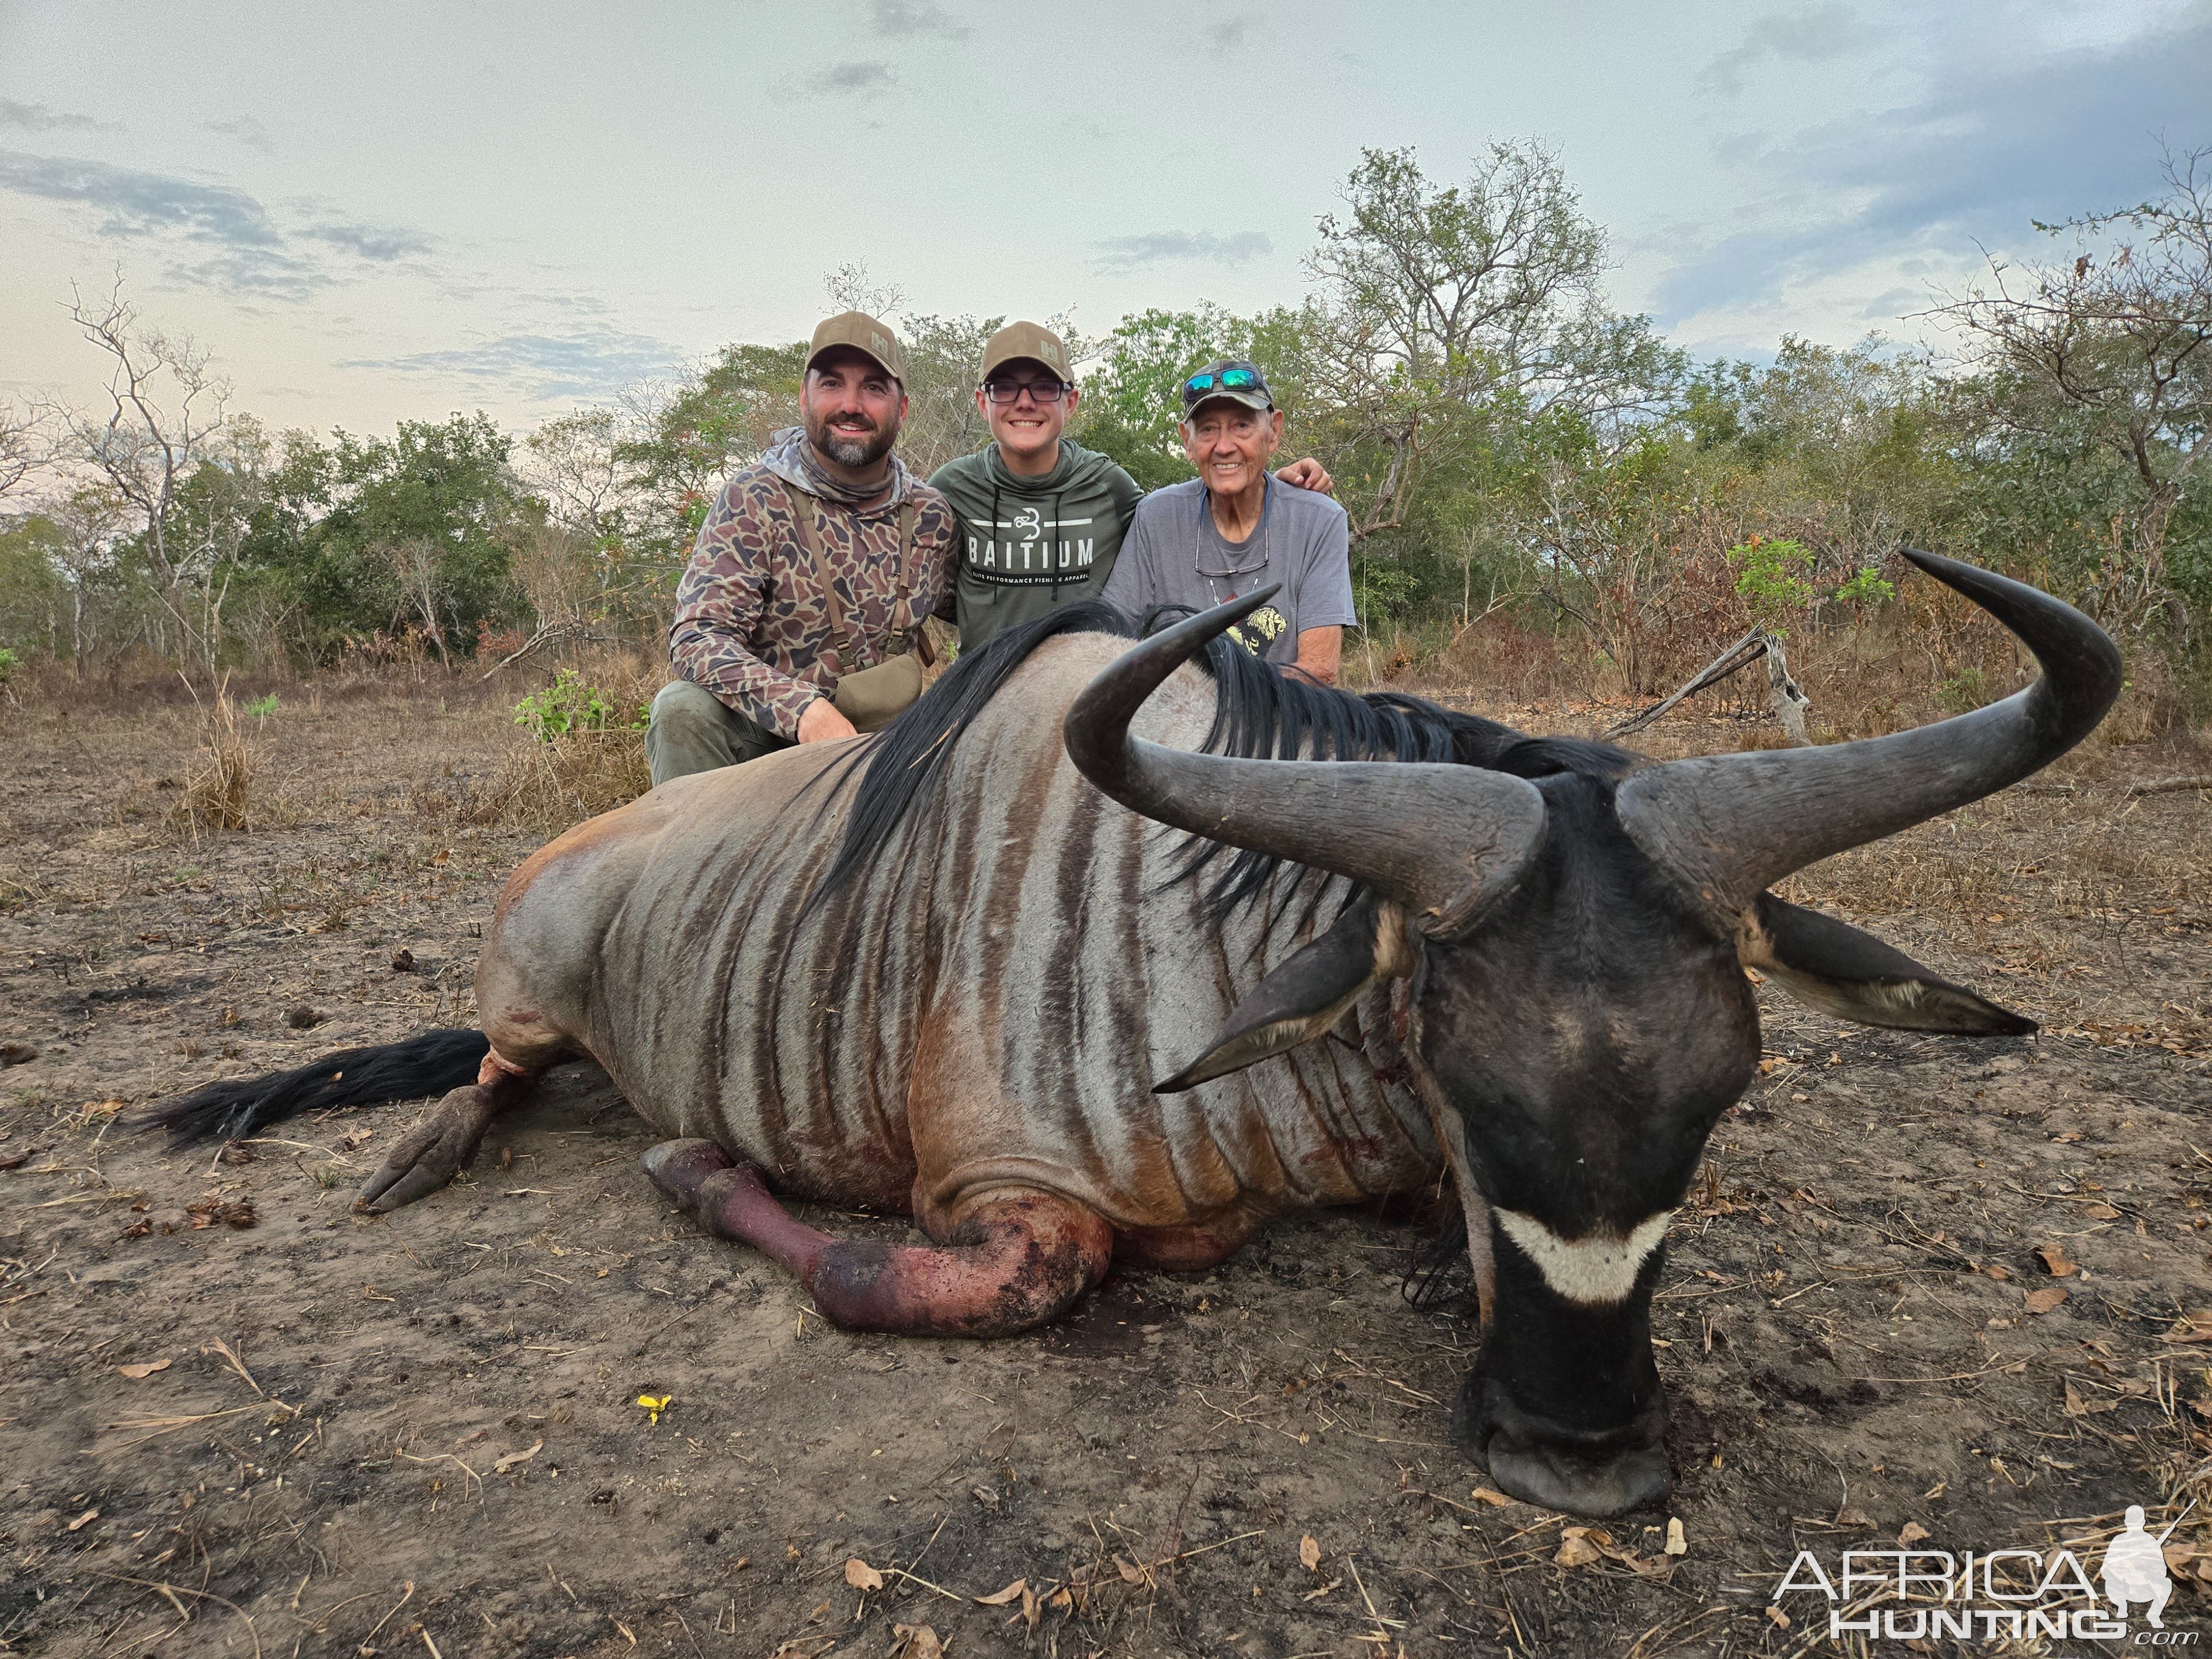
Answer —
(1309, 1554)
(2043, 1301)
(2053, 1256)
(1013, 1592)
(522, 1456)
(1913, 1533)
(139, 1373)
(862, 1577)
(1577, 1551)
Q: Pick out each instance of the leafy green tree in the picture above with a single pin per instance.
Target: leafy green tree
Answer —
(375, 534)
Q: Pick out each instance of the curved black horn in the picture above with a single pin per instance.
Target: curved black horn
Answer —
(1731, 825)
(1438, 840)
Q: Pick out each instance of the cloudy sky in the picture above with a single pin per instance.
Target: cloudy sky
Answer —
(380, 211)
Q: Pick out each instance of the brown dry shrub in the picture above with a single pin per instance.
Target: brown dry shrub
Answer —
(218, 788)
(550, 787)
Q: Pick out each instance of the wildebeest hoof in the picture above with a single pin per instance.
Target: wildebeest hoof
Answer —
(1594, 1479)
(678, 1168)
(1559, 1480)
(430, 1155)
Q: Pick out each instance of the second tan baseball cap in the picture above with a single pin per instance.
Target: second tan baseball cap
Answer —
(1030, 340)
(864, 334)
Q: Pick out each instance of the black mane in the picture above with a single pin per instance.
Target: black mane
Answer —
(1259, 713)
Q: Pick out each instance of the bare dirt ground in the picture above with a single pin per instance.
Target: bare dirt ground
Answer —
(236, 1418)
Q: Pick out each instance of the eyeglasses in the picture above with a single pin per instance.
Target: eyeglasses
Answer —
(1229, 379)
(1009, 391)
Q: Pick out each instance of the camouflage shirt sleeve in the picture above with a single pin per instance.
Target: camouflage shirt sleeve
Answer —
(751, 625)
(725, 597)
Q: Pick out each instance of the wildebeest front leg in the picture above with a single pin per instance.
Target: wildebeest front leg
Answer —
(432, 1153)
(1015, 1261)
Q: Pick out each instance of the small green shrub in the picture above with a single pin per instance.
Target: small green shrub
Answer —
(569, 705)
(9, 662)
(1775, 573)
(1868, 587)
(261, 707)
(1964, 692)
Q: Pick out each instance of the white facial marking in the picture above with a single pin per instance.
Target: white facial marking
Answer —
(1598, 1270)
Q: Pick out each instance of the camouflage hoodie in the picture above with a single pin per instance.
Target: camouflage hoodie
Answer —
(1028, 544)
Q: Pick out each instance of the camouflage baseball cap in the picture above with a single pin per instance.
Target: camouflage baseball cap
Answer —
(1029, 340)
(864, 335)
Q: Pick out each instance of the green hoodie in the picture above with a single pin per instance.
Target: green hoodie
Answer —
(1028, 544)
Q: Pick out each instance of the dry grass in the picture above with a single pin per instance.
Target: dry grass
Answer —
(218, 786)
(549, 786)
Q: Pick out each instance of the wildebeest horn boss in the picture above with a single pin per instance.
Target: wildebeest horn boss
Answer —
(937, 970)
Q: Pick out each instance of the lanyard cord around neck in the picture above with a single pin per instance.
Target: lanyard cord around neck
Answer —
(1230, 576)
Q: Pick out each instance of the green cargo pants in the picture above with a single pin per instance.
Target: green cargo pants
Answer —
(692, 730)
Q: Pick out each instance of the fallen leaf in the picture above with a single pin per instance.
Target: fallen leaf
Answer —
(1013, 1592)
(1310, 1553)
(1577, 1551)
(2053, 1256)
(1676, 1543)
(915, 1642)
(2043, 1301)
(1495, 1500)
(1997, 1272)
(1061, 1598)
(1848, 1516)
(89, 1516)
(1912, 1534)
(2101, 1212)
(1032, 1609)
(1130, 1574)
(1781, 1619)
(860, 1576)
(514, 1459)
(139, 1373)
(2189, 1327)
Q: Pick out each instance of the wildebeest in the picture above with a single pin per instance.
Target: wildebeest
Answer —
(935, 971)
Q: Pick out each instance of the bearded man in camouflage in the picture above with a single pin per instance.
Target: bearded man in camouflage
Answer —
(754, 641)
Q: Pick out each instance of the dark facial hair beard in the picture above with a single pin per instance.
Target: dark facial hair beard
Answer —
(858, 455)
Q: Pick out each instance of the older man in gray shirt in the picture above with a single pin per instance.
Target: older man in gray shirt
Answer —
(1233, 529)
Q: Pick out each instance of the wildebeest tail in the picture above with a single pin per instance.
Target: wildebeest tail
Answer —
(429, 1063)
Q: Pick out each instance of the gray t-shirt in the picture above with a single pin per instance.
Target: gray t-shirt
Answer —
(1174, 554)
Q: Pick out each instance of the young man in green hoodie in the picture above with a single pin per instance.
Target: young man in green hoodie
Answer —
(1041, 519)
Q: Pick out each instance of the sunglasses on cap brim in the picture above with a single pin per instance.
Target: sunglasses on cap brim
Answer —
(1229, 379)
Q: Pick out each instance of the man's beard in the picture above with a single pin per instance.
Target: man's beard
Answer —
(848, 450)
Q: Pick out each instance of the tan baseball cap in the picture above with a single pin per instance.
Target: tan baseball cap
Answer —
(1030, 340)
(864, 334)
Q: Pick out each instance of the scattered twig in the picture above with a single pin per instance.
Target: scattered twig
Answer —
(172, 1591)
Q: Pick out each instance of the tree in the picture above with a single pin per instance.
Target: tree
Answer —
(1443, 308)
(369, 534)
(165, 410)
(2114, 347)
(21, 448)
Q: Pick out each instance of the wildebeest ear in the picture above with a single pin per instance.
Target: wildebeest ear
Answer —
(1837, 969)
(1309, 993)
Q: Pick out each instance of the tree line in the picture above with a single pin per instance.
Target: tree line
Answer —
(1507, 444)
